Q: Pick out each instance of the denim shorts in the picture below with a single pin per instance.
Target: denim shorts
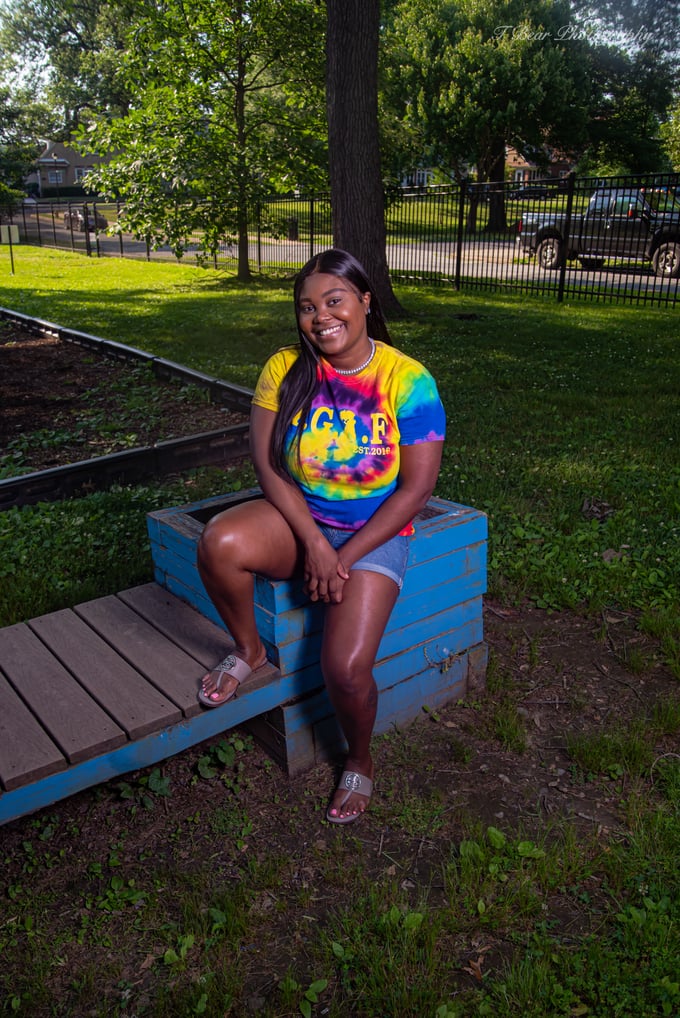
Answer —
(390, 558)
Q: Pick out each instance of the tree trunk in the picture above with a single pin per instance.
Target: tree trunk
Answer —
(496, 177)
(243, 271)
(357, 199)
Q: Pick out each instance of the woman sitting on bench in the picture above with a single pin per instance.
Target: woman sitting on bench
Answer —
(346, 438)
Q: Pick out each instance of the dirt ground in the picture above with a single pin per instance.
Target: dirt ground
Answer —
(48, 385)
(561, 672)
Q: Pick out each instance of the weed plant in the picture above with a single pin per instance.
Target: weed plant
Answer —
(380, 945)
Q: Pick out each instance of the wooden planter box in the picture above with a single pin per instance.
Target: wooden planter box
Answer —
(432, 651)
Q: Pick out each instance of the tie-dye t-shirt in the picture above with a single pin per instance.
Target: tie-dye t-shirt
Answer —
(349, 451)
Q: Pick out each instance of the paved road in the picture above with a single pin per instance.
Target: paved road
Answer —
(481, 259)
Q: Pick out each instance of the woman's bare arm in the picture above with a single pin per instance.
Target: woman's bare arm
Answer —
(418, 472)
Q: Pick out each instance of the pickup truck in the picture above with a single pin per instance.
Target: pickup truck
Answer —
(621, 223)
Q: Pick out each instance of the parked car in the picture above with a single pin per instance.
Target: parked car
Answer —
(74, 219)
(618, 223)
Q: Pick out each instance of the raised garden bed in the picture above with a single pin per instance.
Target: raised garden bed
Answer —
(81, 413)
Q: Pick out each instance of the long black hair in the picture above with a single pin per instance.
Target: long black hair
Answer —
(302, 381)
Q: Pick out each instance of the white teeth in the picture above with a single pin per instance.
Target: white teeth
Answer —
(327, 332)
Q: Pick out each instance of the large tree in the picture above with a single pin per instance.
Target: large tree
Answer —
(226, 103)
(357, 193)
(633, 25)
(671, 137)
(69, 52)
(472, 77)
(19, 118)
(634, 60)
(630, 97)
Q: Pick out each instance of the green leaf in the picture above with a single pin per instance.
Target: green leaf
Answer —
(205, 768)
(496, 837)
(318, 986)
(157, 783)
(471, 850)
(219, 919)
(528, 850)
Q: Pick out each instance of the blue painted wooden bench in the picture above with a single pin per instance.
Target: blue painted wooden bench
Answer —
(109, 686)
(432, 652)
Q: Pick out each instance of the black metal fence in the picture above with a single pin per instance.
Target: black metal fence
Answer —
(613, 239)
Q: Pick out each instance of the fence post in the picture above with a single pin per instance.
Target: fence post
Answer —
(259, 238)
(459, 235)
(120, 232)
(86, 220)
(571, 179)
(10, 219)
(311, 226)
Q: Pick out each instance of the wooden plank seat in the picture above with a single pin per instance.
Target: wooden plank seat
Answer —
(89, 693)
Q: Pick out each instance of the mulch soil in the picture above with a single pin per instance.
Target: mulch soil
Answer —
(48, 386)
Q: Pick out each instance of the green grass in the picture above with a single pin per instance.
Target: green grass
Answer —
(551, 409)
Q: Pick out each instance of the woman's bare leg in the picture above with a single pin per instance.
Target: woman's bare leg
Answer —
(252, 537)
(353, 630)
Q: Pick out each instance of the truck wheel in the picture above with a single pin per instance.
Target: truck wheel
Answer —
(549, 253)
(592, 263)
(666, 260)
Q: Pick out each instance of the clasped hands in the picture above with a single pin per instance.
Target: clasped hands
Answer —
(324, 573)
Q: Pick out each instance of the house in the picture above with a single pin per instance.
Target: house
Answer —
(522, 171)
(59, 171)
(519, 170)
(420, 177)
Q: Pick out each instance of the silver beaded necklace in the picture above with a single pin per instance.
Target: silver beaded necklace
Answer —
(355, 371)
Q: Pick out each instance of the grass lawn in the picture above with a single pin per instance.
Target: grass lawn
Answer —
(563, 421)
(205, 897)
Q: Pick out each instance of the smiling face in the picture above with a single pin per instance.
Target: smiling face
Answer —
(332, 315)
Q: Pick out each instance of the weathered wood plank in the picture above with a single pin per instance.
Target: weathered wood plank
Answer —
(26, 751)
(291, 657)
(72, 718)
(143, 752)
(423, 588)
(190, 630)
(174, 672)
(293, 638)
(136, 705)
(179, 622)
